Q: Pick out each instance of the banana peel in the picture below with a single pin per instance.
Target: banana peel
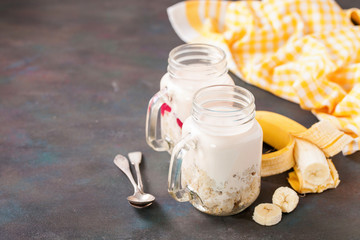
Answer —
(277, 131)
(282, 133)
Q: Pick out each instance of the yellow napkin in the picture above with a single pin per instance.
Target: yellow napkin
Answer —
(305, 51)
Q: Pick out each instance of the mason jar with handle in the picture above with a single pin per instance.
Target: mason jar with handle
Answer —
(216, 165)
(190, 67)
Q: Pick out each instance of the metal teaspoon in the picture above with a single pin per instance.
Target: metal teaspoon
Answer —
(138, 199)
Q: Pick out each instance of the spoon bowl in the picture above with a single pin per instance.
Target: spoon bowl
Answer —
(140, 198)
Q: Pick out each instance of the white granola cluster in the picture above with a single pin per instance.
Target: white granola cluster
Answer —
(224, 198)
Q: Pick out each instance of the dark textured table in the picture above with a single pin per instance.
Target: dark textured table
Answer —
(75, 80)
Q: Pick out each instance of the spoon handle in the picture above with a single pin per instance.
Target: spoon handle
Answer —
(135, 159)
(122, 163)
(138, 175)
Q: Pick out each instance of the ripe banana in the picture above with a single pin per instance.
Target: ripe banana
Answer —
(267, 214)
(311, 162)
(286, 198)
(312, 171)
(278, 130)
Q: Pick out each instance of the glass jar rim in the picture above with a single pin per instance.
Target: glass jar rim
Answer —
(211, 60)
(234, 94)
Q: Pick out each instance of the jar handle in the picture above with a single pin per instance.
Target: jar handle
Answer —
(155, 104)
(175, 188)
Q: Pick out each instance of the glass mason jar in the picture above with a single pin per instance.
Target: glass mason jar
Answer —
(191, 67)
(216, 165)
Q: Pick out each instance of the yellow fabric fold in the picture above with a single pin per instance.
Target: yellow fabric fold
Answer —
(305, 51)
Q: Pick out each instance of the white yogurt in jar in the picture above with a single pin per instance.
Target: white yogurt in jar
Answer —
(224, 169)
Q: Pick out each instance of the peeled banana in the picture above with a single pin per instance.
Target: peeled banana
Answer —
(298, 183)
(286, 198)
(327, 141)
(267, 214)
(311, 162)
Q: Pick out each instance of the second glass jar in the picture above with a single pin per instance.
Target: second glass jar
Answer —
(191, 67)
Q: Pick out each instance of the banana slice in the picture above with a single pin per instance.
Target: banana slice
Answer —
(286, 198)
(267, 214)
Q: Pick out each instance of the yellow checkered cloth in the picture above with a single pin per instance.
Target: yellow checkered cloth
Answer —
(305, 51)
